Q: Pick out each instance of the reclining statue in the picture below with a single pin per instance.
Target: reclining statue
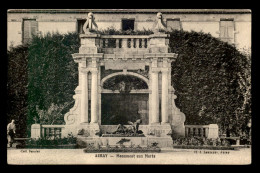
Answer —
(132, 129)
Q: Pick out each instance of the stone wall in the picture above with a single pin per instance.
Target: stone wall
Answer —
(67, 22)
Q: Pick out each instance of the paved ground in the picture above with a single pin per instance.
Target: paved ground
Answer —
(167, 156)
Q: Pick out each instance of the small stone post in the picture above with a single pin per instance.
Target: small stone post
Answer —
(213, 131)
(36, 131)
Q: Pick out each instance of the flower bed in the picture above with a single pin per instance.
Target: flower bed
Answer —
(66, 146)
(66, 142)
(123, 135)
(96, 148)
(202, 143)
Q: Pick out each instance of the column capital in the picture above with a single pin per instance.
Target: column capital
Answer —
(155, 70)
(93, 70)
(164, 70)
(154, 59)
(84, 70)
(166, 59)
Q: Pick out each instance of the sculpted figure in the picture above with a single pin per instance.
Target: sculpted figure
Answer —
(120, 129)
(90, 23)
(133, 129)
(135, 126)
(122, 86)
(159, 24)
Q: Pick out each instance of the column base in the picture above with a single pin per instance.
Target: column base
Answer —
(155, 124)
(165, 123)
(160, 130)
(85, 123)
(93, 124)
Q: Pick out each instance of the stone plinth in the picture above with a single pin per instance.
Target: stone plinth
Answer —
(69, 129)
(113, 141)
(163, 142)
(82, 141)
(159, 130)
(213, 131)
(89, 43)
(36, 131)
(89, 130)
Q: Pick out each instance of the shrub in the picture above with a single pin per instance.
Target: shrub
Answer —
(50, 142)
(200, 141)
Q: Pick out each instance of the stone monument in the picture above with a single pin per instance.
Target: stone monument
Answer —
(97, 63)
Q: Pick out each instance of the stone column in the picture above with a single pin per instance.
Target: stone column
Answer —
(94, 97)
(206, 132)
(155, 98)
(84, 97)
(165, 97)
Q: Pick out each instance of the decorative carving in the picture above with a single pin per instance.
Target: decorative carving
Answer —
(124, 83)
(69, 117)
(178, 117)
(90, 23)
(132, 130)
(80, 131)
(144, 73)
(122, 141)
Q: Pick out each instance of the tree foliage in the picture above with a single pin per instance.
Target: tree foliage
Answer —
(207, 76)
(17, 83)
(52, 73)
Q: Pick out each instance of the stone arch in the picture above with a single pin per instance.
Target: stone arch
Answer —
(124, 73)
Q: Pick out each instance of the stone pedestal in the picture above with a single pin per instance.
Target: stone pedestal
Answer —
(163, 130)
(213, 131)
(89, 130)
(36, 131)
(69, 129)
(113, 141)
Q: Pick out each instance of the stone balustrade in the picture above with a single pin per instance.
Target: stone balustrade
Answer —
(51, 131)
(208, 131)
(46, 131)
(110, 44)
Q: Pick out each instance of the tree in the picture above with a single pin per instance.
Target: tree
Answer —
(52, 73)
(17, 83)
(211, 80)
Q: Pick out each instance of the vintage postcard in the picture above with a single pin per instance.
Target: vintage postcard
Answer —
(129, 86)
